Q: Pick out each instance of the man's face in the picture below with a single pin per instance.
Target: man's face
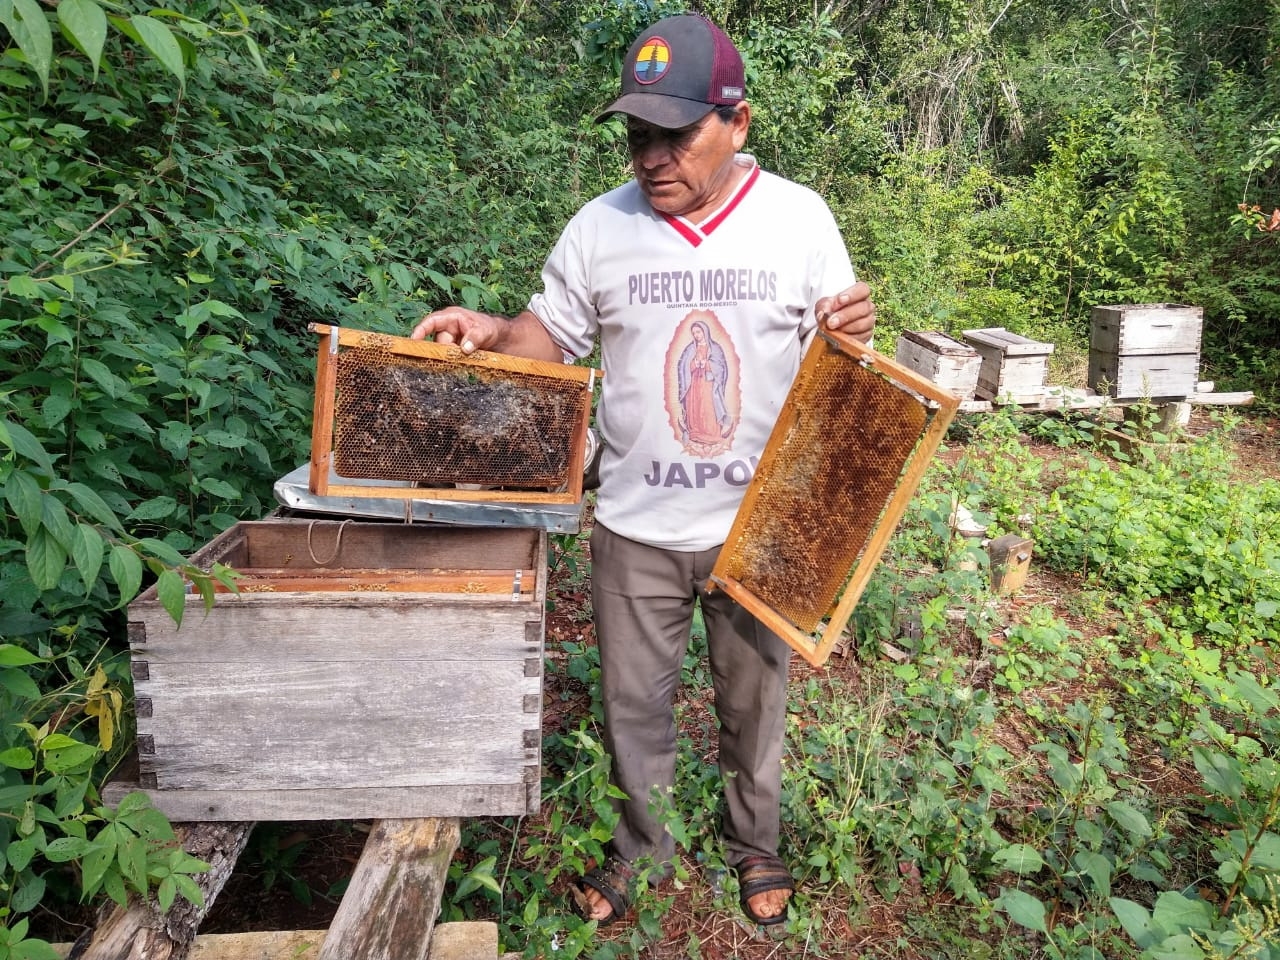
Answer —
(687, 172)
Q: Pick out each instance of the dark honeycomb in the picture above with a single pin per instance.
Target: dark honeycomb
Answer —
(438, 423)
(824, 486)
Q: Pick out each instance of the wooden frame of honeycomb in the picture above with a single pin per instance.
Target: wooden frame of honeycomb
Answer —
(444, 425)
(844, 459)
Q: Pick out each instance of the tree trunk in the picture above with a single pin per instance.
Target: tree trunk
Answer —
(141, 931)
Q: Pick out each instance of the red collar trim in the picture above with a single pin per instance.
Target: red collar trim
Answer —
(695, 233)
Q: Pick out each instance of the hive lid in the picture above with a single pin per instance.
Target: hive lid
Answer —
(844, 458)
(404, 419)
(293, 492)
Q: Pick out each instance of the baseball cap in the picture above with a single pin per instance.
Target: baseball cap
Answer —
(677, 71)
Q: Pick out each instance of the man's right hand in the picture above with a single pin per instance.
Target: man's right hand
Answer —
(469, 329)
(523, 335)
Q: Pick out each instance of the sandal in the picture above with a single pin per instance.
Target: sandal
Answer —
(758, 875)
(613, 881)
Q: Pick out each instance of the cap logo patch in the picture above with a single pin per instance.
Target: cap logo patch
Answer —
(652, 60)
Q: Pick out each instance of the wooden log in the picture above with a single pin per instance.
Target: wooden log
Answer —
(390, 907)
(1241, 399)
(140, 931)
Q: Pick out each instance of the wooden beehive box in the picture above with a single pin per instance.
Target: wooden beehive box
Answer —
(950, 364)
(1014, 368)
(364, 670)
(1145, 350)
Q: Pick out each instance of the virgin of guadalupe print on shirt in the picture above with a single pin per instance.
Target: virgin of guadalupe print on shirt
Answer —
(703, 389)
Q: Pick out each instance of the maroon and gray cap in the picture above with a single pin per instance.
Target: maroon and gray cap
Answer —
(677, 72)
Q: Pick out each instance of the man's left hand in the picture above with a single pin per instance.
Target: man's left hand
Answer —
(850, 311)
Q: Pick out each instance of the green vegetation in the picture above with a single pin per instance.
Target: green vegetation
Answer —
(181, 193)
(1016, 787)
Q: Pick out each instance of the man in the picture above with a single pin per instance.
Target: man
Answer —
(704, 278)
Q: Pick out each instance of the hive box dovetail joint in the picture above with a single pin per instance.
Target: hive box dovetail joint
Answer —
(1147, 350)
(950, 364)
(1014, 368)
(364, 670)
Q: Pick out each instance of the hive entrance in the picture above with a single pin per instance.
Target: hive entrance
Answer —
(423, 414)
(844, 459)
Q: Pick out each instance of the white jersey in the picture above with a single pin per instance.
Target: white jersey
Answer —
(701, 332)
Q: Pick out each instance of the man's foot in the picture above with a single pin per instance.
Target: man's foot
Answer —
(603, 893)
(764, 889)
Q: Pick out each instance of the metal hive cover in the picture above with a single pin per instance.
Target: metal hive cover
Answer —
(844, 458)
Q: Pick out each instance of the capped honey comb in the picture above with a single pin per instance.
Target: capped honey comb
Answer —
(843, 460)
(445, 425)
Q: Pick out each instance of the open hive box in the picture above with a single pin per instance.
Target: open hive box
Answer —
(484, 426)
(843, 461)
(365, 669)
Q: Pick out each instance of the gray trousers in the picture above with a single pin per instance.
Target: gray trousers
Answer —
(643, 598)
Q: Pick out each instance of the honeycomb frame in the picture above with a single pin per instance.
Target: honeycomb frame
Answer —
(437, 424)
(845, 456)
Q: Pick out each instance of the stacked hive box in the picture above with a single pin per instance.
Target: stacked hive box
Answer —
(374, 669)
(1145, 350)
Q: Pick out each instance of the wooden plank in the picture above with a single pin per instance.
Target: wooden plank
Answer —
(261, 945)
(458, 940)
(393, 899)
(999, 339)
(140, 932)
(1146, 328)
(375, 581)
(322, 628)
(1242, 399)
(322, 419)
(372, 723)
(292, 543)
(465, 940)
(1060, 398)
(320, 803)
(938, 343)
(453, 493)
(429, 349)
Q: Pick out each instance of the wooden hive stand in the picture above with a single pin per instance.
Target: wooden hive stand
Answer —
(387, 913)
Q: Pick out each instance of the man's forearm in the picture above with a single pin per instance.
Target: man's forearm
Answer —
(525, 336)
